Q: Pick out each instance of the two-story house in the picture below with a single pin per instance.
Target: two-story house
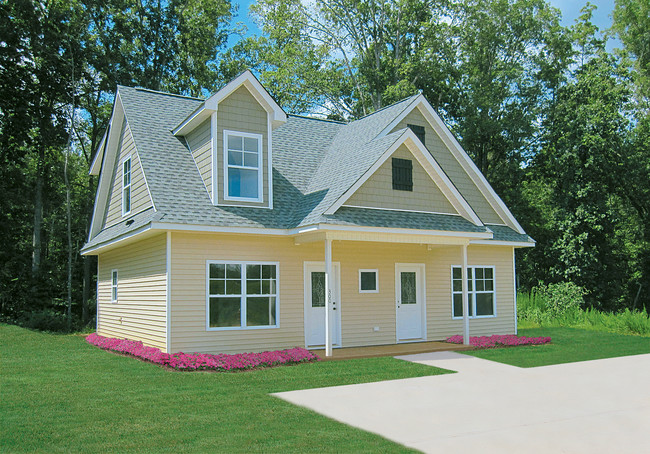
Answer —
(227, 225)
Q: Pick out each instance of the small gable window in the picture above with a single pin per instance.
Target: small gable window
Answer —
(419, 132)
(402, 174)
(243, 169)
(126, 186)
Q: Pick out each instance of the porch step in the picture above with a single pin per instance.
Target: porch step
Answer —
(376, 351)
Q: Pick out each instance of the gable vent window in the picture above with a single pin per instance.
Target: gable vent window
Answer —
(243, 166)
(419, 132)
(402, 174)
(126, 186)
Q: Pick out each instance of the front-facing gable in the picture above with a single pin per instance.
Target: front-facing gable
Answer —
(455, 162)
(378, 191)
(408, 145)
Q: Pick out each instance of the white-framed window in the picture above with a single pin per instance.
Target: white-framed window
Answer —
(243, 166)
(242, 295)
(480, 290)
(126, 186)
(114, 286)
(368, 281)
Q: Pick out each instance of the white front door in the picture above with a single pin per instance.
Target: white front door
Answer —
(315, 305)
(409, 296)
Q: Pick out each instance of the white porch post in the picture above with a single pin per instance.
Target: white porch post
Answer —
(328, 296)
(465, 298)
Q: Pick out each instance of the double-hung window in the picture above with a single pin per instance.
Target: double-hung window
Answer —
(126, 186)
(243, 166)
(480, 291)
(242, 295)
(114, 286)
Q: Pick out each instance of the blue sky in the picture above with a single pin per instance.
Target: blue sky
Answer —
(570, 12)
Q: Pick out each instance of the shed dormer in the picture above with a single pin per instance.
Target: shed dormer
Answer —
(229, 136)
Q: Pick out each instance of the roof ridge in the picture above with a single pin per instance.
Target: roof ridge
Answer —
(327, 120)
(386, 107)
(164, 93)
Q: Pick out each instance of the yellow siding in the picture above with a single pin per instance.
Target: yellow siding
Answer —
(360, 312)
(140, 198)
(241, 112)
(139, 313)
(452, 168)
(378, 192)
(200, 143)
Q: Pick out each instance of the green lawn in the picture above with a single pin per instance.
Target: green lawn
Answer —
(59, 394)
(568, 345)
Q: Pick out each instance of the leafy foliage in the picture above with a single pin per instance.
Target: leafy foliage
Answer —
(559, 125)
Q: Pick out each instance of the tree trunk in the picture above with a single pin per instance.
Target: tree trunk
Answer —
(38, 214)
(69, 225)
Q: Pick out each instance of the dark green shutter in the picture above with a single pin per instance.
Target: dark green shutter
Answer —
(402, 174)
(419, 132)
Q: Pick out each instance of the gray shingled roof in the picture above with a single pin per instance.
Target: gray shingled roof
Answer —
(314, 163)
(504, 233)
(400, 219)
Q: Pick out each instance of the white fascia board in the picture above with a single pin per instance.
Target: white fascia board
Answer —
(257, 90)
(111, 243)
(401, 231)
(96, 165)
(110, 150)
(314, 228)
(219, 229)
(158, 226)
(504, 243)
(461, 156)
(393, 124)
(429, 164)
(192, 121)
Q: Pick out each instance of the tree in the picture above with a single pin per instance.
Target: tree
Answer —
(579, 172)
(632, 24)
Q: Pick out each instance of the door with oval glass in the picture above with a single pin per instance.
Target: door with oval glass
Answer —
(409, 299)
(315, 305)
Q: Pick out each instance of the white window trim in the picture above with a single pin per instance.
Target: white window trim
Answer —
(473, 292)
(260, 177)
(130, 185)
(243, 295)
(376, 290)
(114, 286)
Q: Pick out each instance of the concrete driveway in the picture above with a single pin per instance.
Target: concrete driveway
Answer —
(600, 406)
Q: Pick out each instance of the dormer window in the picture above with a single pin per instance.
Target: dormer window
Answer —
(243, 169)
(126, 186)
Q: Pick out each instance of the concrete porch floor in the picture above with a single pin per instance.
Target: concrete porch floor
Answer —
(375, 351)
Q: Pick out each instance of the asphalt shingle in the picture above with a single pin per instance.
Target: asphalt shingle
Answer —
(314, 163)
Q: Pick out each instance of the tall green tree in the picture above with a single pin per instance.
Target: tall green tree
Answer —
(578, 176)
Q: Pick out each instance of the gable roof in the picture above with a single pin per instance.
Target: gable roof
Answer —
(314, 163)
(461, 156)
(209, 106)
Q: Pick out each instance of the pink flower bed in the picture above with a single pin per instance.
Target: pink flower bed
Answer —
(509, 340)
(201, 361)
